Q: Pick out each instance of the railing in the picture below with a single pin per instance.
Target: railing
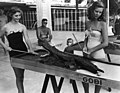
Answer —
(68, 19)
(29, 19)
(63, 19)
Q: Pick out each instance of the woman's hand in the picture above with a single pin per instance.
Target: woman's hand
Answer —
(90, 52)
(47, 39)
(8, 48)
(85, 49)
(33, 52)
(86, 53)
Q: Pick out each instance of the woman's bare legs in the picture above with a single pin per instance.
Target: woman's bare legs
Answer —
(19, 73)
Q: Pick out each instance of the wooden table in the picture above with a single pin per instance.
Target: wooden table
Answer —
(111, 77)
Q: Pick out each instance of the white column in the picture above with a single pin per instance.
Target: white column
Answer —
(39, 12)
(43, 11)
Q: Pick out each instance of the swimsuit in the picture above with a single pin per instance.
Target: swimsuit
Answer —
(95, 39)
(15, 39)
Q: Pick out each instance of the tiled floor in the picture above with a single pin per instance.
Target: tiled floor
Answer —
(34, 80)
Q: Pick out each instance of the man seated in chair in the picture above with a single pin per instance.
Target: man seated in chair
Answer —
(43, 32)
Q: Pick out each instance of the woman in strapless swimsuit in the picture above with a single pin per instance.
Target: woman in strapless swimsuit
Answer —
(96, 38)
(15, 32)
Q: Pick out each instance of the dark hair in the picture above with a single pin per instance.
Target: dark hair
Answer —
(44, 19)
(69, 40)
(13, 10)
(91, 15)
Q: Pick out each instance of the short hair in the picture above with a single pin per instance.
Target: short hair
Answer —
(44, 19)
(90, 12)
(69, 40)
(13, 10)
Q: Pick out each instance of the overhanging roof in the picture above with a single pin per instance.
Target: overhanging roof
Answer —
(7, 5)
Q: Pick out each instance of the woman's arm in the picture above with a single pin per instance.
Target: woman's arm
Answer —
(104, 42)
(27, 40)
(2, 33)
(86, 36)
